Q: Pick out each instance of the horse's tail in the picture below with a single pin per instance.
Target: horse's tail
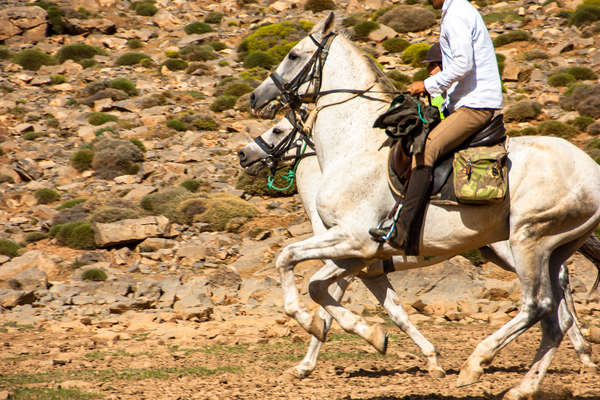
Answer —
(591, 250)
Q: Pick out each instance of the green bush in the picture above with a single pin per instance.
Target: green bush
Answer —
(407, 18)
(362, 29)
(237, 89)
(70, 204)
(395, 45)
(223, 103)
(512, 36)
(319, 5)
(175, 64)
(9, 248)
(131, 58)
(94, 274)
(535, 54)
(582, 73)
(474, 256)
(138, 143)
(56, 79)
(87, 62)
(30, 135)
(177, 125)
(415, 54)
(500, 59)
(259, 59)
(274, 39)
(46, 196)
(108, 214)
(114, 157)
(197, 27)
(420, 75)
(77, 52)
(134, 43)
(125, 85)
(582, 122)
(194, 52)
(33, 59)
(216, 45)
(82, 159)
(522, 111)
(144, 8)
(399, 79)
(213, 17)
(4, 53)
(556, 128)
(353, 19)
(167, 202)
(100, 118)
(205, 124)
(32, 237)
(220, 211)
(502, 17)
(257, 185)
(560, 79)
(54, 17)
(584, 14)
(191, 184)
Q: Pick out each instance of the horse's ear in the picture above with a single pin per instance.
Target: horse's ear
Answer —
(325, 26)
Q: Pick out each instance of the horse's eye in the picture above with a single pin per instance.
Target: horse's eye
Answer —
(292, 56)
(277, 131)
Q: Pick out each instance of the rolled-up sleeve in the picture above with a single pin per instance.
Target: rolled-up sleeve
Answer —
(458, 46)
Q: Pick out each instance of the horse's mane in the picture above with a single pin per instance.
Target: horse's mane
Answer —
(381, 78)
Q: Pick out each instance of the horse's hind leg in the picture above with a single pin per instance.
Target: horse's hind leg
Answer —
(536, 302)
(501, 254)
(382, 289)
(309, 362)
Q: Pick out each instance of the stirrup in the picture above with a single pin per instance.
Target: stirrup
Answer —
(382, 234)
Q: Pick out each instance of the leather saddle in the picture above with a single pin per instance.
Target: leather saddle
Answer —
(399, 161)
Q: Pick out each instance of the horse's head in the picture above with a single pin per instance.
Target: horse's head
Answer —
(259, 148)
(295, 67)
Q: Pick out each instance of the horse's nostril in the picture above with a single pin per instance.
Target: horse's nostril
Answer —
(252, 99)
(241, 155)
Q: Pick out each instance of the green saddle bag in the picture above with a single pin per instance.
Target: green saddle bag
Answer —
(481, 174)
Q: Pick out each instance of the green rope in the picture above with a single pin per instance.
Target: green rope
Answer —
(290, 176)
(419, 110)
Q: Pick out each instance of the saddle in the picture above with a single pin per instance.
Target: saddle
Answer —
(399, 162)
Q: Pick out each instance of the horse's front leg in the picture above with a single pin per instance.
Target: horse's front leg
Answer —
(309, 362)
(332, 244)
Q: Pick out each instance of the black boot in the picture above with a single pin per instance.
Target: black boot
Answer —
(407, 233)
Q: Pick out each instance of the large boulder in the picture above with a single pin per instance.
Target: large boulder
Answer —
(33, 258)
(130, 230)
(22, 24)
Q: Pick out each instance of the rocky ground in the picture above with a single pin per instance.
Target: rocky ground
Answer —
(133, 262)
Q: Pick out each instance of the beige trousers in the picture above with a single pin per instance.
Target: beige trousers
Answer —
(451, 132)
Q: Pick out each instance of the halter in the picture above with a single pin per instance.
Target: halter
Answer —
(297, 139)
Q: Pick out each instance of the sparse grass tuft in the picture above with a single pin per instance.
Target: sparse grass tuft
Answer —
(257, 185)
(260, 59)
(556, 128)
(176, 124)
(191, 184)
(4, 53)
(134, 43)
(522, 111)
(138, 143)
(108, 214)
(46, 196)
(362, 29)
(213, 17)
(415, 54)
(560, 79)
(175, 64)
(70, 204)
(56, 79)
(76, 235)
(145, 8)
(32, 237)
(77, 52)
(9, 248)
(113, 157)
(194, 52)
(205, 124)
(395, 45)
(585, 14)
(512, 36)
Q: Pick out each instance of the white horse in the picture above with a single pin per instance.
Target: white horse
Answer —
(308, 176)
(554, 205)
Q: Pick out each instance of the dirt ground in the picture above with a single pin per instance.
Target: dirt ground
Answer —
(40, 364)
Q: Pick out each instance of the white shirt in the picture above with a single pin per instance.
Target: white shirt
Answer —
(468, 59)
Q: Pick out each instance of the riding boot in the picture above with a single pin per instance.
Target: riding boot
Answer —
(407, 233)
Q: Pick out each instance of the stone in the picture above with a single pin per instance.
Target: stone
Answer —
(511, 71)
(165, 20)
(191, 253)
(30, 279)
(130, 230)
(77, 26)
(33, 258)
(594, 335)
(382, 33)
(197, 38)
(12, 298)
(16, 21)
(280, 6)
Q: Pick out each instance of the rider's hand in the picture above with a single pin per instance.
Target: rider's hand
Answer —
(416, 88)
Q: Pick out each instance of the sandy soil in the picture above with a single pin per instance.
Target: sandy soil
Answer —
(228, 367)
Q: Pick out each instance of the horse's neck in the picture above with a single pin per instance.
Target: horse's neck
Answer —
(345, 120)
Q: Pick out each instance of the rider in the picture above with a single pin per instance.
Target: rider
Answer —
(471, 80)
(433, 60)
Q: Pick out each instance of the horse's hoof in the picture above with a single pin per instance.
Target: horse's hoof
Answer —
(299, 372)
(514, 394)
(379, 339)
(317, 328)
(468, 376)
(437, 373)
